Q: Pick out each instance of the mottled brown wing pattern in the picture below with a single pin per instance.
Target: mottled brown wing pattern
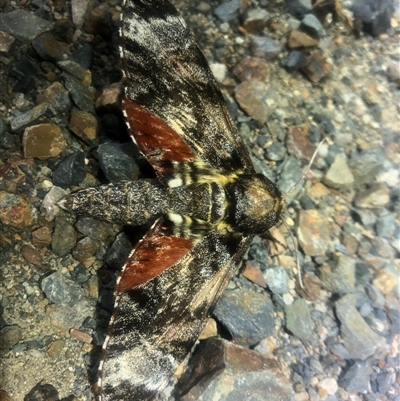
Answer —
(156, 323)
(167, 74)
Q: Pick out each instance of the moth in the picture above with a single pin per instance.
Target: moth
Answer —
(205, 205)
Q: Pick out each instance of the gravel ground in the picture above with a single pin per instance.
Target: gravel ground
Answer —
(60, 129)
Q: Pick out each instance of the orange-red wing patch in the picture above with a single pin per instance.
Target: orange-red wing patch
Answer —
(156, 252)
(155, 138)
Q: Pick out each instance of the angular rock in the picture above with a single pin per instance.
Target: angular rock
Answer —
(85, 248)
(15, 211)
(253, 273)
(117, 161)
(43, 141)
(340, 278)
(70, 171)
(264, 47)
(118, 252)
(254, 20)
(386, 280)
(275, 152)
(298, 320)
(110, 98)
(6, 42)
(252, 69)
(73, 68)
(367, 164)
(61, 290)
(290, 173)
(227, 11)
(42, 392)
(313, 232)
(385, 225)
(224, 371)
(49, 204)
(298, 39)
(311, 24)
(251, 97)
(79, 93)
(375, 15)
(41, 237)
(358, 338)
(99, 21)
(339, 175)
(48, 48)
(95, 229)
(277, 280)
(316, 67)
(375, 197)
(56, 97)
(312, 288)
(10, 336)
(84, 124)
(299, 144)
(26, 118)
(32, 255)
(64, 236)
(219, 71)
(299, 8)
(23, 24)
(357, 377)
(79, 9)
(248, 316)
(295, 60)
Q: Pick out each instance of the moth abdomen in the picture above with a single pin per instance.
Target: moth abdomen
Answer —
(128, 203)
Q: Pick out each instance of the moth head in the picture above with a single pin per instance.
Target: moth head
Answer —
(258, 203)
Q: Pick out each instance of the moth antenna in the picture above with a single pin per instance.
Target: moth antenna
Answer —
(296, 252)
(303, 176)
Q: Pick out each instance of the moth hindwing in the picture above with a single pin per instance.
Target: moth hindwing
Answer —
(205, 205)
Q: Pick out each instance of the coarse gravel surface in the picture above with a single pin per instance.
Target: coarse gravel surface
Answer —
(336, 339)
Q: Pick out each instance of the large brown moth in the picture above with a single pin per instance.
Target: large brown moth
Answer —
(205, 206)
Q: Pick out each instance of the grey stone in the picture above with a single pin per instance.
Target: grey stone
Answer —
(366, 165)
(24, 24)
(79, 93)
(275, 152)
(95, 229)
(248, 316)
(358, 338)
(339, 175)
(24, 119)
(117, 162)
(357, 378)
(227, 11)
(311, 24)
(265, 47)
(64, 236)
(56, 97)
(73, 68)
(341, 277)
(385, 225)
(10, 336)
(298, 320)
(299, 8)
(61, 290)
(70, 171)
(118, 251)
(226, 372)
(277, 280)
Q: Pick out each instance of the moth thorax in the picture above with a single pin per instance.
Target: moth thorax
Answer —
(258, 203)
